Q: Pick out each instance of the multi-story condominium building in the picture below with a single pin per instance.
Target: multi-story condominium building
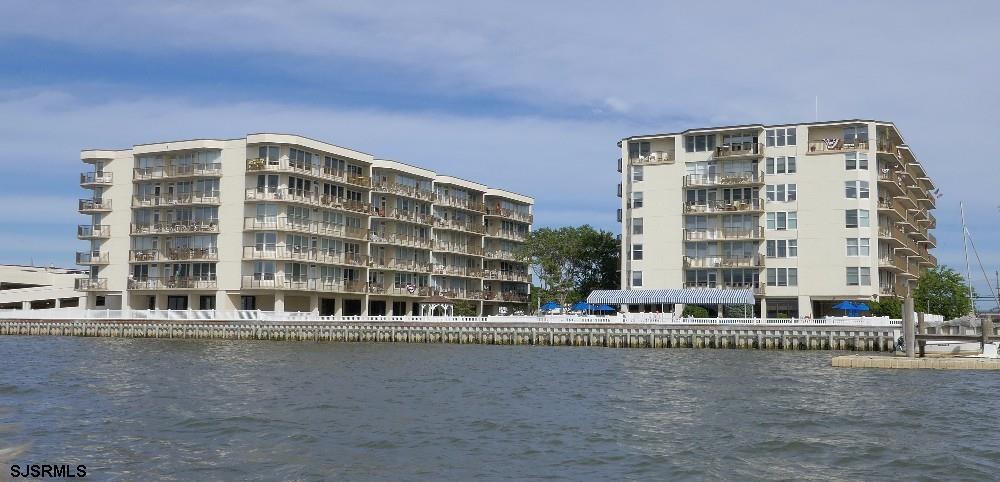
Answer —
(804, 214)
(286, 223)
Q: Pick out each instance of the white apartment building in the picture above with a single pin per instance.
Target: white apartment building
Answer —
(287, 223)
(804, 214)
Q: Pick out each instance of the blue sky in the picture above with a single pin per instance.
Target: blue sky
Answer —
(530, 96)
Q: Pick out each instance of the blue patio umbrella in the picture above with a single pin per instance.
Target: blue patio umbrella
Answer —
(581, 306)
(861, 307)
(604, 308)
(552, 305)
(848, 307)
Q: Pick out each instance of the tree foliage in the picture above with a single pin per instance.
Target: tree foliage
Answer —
(695, 311)
(942, 290)
(570, 262)
(887, 306)
(465, 308)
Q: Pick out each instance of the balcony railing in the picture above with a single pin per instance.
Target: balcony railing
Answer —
(724, 234)
(502, 254)
(463, 271)
(505, 296)
(293, 253)
(461, 203)
(725, 179)
(468, 227)
(739, 150)
(173, 283)
(723, 261)
(314, 170)
(94, 205)
(402, 215)
(460, 248)
(390, 187)
(213, 169)
(757, 288)
(177, 227)
(90, 284)
(401, 240)
(502, 275)
(92, 257)
(304, 226)
(396, 264)
(88, 231)
(884, 145)
(519, 216)
(307, 197)
(271, 281)
(836, 144)
(174, 254)
(652, 159)
(931, 240)
(507, 234)
(209, 197)
(96, 178)
(745, 205)
(885, 290)
(400, 290)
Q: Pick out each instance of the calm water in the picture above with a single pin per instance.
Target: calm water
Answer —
(206, 410)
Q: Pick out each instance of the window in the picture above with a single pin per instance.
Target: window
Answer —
(782, 220)
(638, 149)
(782, 248)
(636, 199)
(636, 225)
(699, 143)
(856, 218)
(856, 161)
(636, 173)
(855, 134)
(637, 251)
(859, 276)
(856, 189)
(781, 137)
(782, 276)
(781, 192)
(637, 278)
(858, 247)
(780, 165)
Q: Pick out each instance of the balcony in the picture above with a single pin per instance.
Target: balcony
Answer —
(503, 255)
(181, 199)
(739, 150)
(507, 234)
(652, 159)
(723, 261)
(91, 258)
(304, 226)
(89, 206)
(293, 253)
(213, 169)
(407, 216)
(92, 179)
(725, 207)
(308, 198)
(757, 288)
(835, 145)
(401, 240)
(461, 203)
(724, 234)
(463, 271)
(400, 290)
(521, 217)
(501, 275)
(505, 296)
(469, 227)
(748, 178)
(891, 208)
(458, 248)
(173, 254)
(389, 187)
(177, 227)
(892, 263)
(885, 145)
(312, 170)
(395, 264)
(88, 231)
(892, 180)
(459, 294)
(269, 281)
(931, 240)
(90, 284)
(887, 290)
(173, 283)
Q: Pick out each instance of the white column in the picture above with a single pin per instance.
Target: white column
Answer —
(25, 305)
(314, 303)
(279, 301)
(763, 308)
(58, 302)
(805, 307)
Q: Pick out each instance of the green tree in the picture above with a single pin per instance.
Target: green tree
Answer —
(942, 291)
(695, 311)
(887, 306)
(570, 262)
(465, 308)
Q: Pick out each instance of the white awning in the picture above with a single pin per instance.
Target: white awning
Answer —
(695, 296)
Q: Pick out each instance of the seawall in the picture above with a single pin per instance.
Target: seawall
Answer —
(675, 335)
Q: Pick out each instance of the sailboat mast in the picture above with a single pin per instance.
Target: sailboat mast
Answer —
(965, 246)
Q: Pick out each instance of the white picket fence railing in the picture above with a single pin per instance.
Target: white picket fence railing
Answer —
(80, 314)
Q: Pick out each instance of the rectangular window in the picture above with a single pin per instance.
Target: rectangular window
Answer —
(699, 143)
(856, 189)
(856, 218)
(636, 225)
(780, 165)
(637, 278)
(856, 161)
(636, 199)
(781, 137)
(782, 276)
(637, 251)
(859, 276)
(781, 192)
(636, 173)
(782, 248)
(858, 247)
(782, 220)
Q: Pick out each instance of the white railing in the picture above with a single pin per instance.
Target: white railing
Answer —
(81, 314)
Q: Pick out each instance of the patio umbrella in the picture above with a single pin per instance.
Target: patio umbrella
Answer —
(604, 308)
(580, 306)
(552, 305)
(861, 307)
(847, 306)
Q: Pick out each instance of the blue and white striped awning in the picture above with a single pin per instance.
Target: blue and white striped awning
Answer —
(695, 296)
